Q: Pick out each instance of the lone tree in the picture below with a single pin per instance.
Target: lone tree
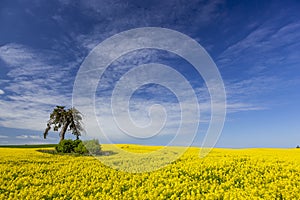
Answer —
(65, 120)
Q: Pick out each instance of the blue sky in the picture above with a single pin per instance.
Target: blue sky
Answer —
(255, 45)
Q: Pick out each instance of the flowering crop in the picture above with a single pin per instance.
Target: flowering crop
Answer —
(223, 174)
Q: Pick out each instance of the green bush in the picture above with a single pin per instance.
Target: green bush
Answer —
(92, 146)
(65, 146)
(80, 148)
(76, 143)
(77, 146)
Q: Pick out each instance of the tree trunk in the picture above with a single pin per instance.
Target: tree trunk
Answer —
(63, 131)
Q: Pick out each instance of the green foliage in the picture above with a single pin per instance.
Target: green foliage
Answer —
(76, 143)
(78, 146)
(65, 146)
(93, 146)
(66, 120)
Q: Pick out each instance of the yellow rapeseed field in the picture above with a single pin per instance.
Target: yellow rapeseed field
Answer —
(223, 174)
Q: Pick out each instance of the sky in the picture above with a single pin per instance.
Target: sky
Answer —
(255, 46)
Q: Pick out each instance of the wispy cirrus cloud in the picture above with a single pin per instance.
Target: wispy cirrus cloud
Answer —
(111, 17)
(39, 79)
(22, 136)
(263, 62)
(265, 46)
(36, 81)
(35, 137)
(3, 136)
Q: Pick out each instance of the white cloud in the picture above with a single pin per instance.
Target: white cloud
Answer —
(2, 92)
(139, 109)
(248, 88)
(36, 137)
(22, 136)
(116, 16)
(31, 101)
(258, 47)
(40, 81)
(3, 136)
(257, 60)
(37, 82)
